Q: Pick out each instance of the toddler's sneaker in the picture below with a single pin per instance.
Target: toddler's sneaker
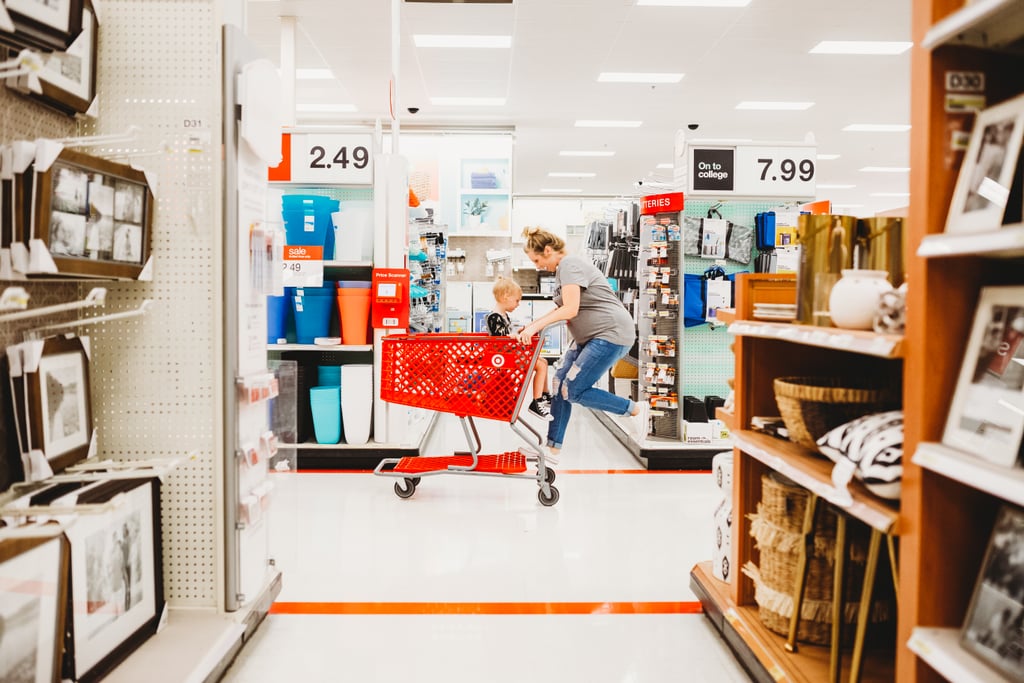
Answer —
(539, 407)
(640, 423)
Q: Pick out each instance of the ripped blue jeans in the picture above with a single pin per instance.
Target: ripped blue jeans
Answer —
(579, 370)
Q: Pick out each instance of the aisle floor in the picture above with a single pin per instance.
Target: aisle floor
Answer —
(472, 580)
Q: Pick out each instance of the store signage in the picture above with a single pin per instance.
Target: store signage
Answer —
(965, 81)
(661, 203)
(785, 171)
(303, 266)
(325, 158)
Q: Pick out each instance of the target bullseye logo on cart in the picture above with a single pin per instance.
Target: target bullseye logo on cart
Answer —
(498, 360)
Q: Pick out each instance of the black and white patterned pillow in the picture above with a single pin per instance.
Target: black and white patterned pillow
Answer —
(875, 444)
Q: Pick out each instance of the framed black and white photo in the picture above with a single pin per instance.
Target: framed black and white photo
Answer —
(994, 627)
(60, 413)
(116, 582)
(44, 25)
(984, 183)
(33, 588)
(986, 417)
(68, 77)
(95, 216)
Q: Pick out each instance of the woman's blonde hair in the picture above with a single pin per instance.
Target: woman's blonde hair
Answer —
(503, 287)
(538, 238)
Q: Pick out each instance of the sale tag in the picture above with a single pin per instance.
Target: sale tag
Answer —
(303, 266)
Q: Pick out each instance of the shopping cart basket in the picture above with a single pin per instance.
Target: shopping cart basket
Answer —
(467, 375)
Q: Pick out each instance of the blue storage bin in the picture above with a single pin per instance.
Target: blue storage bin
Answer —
(307, 220)
(312, 317)
(277, 318)
(328, 375)
(325, 404)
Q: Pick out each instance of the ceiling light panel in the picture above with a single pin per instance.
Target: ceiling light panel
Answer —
(606, 123)
(861, 47)
(638, 77)
(754, 105)
(585, 153)
(827, 157)
(462, 41)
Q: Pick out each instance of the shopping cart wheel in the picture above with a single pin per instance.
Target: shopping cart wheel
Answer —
(549, 476)
(544, 500)
(408, 489)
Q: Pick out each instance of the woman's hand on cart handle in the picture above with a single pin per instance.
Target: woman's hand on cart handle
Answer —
(525, 335)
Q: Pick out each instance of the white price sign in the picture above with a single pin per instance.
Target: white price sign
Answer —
(341, 159)
(753, 171)
(303, 266)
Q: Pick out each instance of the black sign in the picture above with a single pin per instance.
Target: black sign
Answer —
(713, 169)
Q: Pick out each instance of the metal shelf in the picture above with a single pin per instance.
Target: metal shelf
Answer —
(1007, 242)
(940, 648)
(1004, 482)
(991, 24)
(854, 341)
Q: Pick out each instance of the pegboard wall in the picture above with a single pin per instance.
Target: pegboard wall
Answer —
(708, 363)
(156, 378)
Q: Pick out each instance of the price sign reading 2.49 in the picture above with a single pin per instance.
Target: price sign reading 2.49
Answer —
(776, 170)
(344, 159)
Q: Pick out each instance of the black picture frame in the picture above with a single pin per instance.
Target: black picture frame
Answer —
(95, 216)
(68, 77)
(59, 405)
(993, 629)
(44, 26)
(33, 599)
(115, 548)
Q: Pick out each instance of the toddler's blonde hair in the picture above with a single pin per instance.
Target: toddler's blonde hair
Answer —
(503, 287)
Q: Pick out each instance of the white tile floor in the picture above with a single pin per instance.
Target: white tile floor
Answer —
(345, 541)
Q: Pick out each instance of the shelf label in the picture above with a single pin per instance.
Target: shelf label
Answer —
(753, 170)
(662, 203)
(325, 158)
(303, 266)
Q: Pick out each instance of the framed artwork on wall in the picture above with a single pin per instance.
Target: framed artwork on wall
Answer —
(994, 628)
(95, 216)
(986, 417)
(983, 186)
(33, 590)
(45, 25)
(68, 77)
(59, 407)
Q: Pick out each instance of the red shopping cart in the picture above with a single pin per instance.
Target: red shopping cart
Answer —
(467, 375)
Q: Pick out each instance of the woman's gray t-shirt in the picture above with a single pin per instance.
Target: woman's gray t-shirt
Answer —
(601, 314)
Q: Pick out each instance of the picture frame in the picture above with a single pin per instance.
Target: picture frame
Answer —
(33, 591)
(993, 629)
(44, 25)
(116, 582)
(59, 406)
(986, 416)
(990, 164)
(95, 216)
(68, 77)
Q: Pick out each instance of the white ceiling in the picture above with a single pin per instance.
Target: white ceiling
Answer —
(549, 77)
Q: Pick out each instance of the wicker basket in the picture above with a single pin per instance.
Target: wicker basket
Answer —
(811, 406)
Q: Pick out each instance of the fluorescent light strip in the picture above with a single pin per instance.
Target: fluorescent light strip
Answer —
(314, 74)
(461, 41)
(861, 47)
(571, 175)
(638, 77)
(827, 157)
(595, 123)
(561, 190)
(584, 153)
(886, 169)
(692, 3)
(314, 108)
(468, 101)
(821, 186)
(774, 106)
(878, 127)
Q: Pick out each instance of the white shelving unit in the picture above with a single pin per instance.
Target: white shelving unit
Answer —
(1002, 482)
(940, 648)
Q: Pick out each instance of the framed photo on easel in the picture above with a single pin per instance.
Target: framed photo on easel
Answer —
(984, 186)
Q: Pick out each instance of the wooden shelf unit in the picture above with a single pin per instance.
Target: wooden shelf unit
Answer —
(762, 354)
(945, 523)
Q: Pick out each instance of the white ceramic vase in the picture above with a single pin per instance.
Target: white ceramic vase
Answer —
(854, 299)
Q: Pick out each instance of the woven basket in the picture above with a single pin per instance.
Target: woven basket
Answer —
(811, 406)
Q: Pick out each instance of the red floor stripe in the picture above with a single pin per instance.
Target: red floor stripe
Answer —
(560, 472)
(507, 608)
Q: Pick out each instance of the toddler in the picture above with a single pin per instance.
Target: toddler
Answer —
(507, 295)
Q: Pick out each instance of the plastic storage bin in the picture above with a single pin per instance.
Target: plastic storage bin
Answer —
(354, 313)
(277, 318)
(312, 309)
(325, 404)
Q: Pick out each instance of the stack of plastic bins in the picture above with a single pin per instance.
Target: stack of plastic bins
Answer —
(312, 309)
(307, 221)
(277, 319)
(354, 310)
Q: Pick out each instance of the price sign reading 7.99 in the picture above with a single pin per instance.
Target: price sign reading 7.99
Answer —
(343, 159)
(778, 171)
